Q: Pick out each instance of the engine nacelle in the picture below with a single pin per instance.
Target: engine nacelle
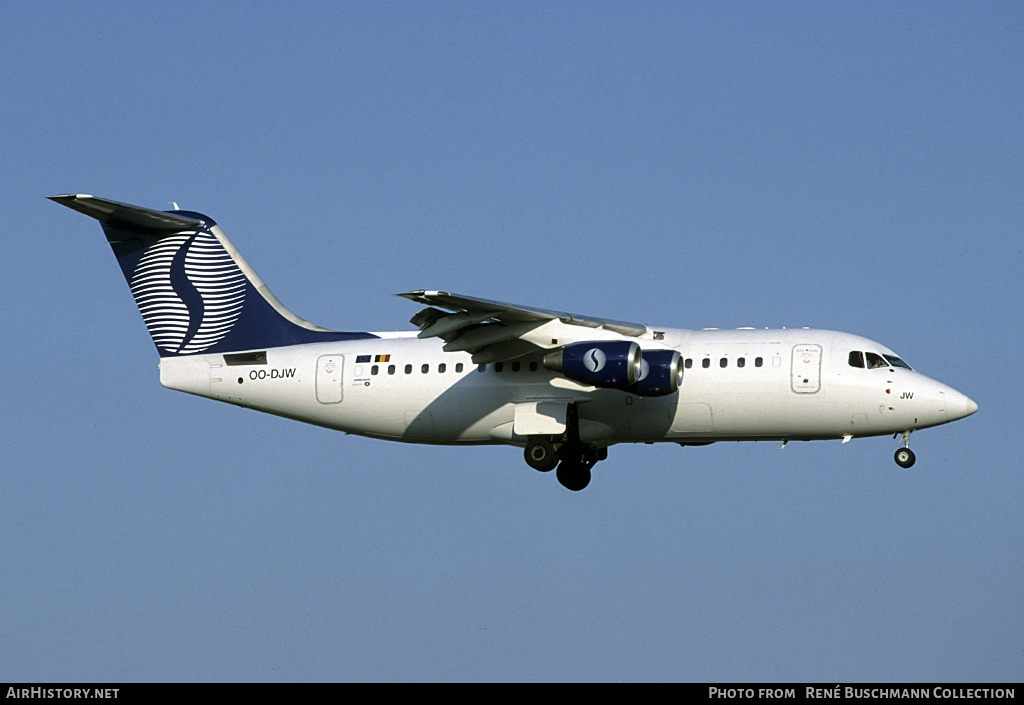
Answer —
(613, 364)
(661, 374)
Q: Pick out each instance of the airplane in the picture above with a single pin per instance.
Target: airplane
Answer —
(563, 387)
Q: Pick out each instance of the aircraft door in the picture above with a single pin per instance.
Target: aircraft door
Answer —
(806, 373)
(328, 378)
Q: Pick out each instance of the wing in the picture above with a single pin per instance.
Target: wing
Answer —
(493, 331)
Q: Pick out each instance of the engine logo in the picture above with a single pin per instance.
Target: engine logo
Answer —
(595, 360)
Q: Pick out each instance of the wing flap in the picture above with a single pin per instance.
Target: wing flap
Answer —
(444, 327)
(482, 336)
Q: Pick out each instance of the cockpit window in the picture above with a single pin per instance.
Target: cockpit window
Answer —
(875, 361)
(896, 362)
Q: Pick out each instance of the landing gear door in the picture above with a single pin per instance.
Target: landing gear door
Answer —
(328, 378)
(806, 369)
(540, 418)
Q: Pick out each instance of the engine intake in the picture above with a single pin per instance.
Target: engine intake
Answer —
(613, 364)
(661, 374)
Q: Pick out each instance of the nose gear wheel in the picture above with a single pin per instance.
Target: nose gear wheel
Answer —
(905, 457)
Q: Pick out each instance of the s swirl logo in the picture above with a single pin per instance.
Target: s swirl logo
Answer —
(190, 292)
(595, 359)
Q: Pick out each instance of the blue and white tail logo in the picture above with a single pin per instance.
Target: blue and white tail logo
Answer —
(190, 292)
(195, 291)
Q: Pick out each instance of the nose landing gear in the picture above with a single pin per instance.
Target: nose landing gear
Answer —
(905, 457)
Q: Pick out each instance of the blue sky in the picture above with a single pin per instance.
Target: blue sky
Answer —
(683, 164)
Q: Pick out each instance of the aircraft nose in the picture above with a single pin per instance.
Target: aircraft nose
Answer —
(958, 405)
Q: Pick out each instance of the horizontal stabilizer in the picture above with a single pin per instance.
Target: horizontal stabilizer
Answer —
(124, 216)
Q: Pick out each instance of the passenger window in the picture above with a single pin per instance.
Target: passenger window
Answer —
(374, 370)
(458, 367)
(758, 361)
(875, 361)
(408, 369)
(724, 362)
(857, 359)
(441, 368)
(689, 363)
(533, 366)
(741, 362)
(515, 366)
(391, 369)
(705, 363)
(499, 366)
(424, 368)
(482, 367)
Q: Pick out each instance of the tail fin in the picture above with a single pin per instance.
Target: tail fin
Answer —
(195, 291)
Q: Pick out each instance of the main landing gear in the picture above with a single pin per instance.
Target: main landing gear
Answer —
(541, 454)
(573, 458)
(904, 456)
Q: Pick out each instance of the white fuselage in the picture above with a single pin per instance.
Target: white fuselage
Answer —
(562, 385)
(741, 384)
